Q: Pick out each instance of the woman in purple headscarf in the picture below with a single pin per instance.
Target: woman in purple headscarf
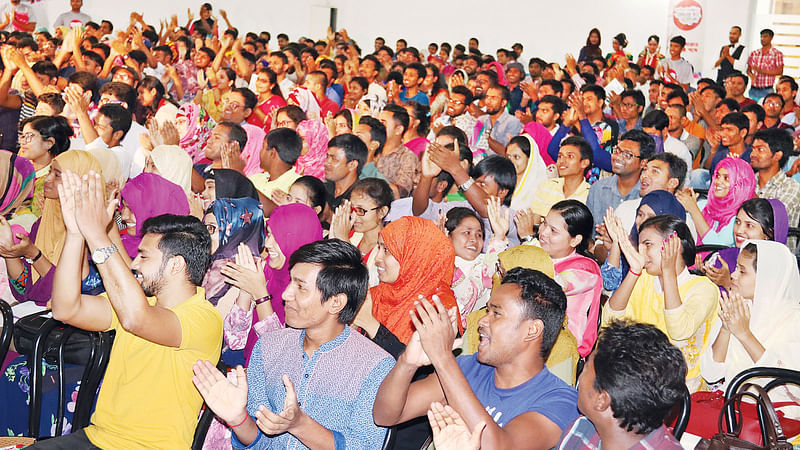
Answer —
(145, 196)
(289, 228)
(757, 218)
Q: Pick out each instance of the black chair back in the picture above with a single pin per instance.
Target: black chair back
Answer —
(779, 378)
(391, 436)
(685, 410)
(8, 329)
(92, 375)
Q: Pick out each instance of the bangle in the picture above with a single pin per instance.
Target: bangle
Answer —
(240, 423)
(634, 273)
(34, 259)
(263, 299)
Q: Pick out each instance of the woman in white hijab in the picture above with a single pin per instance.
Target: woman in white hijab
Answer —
(531, 170)
(758, 321)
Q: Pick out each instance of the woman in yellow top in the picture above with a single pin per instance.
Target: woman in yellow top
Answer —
(659, 290)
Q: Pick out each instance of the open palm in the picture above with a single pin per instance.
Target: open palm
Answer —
(226, 399)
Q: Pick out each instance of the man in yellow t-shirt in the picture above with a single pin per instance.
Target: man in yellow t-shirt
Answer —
(147, 399)
(281, 149)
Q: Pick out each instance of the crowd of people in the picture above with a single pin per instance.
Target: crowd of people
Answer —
(320, 241)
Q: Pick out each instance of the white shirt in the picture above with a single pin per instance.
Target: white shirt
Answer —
(286, 86)
(118, 151)
(679, 149)
(377, 89)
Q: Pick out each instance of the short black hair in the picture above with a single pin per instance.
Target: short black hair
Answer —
(678, 93)
(657, 119)
(676, 166)
(556, 102)
(354, 148)
(719, 90)
(316, 190)
(463, 91)
(737, 74)
(768, 32)
(119, 117)
(86, 80)
(667, 224)
(680, 40)
(642, 372)
(377, 131)
(738, 119)
(463, 141)
(556, 85)
(542, 298)
(235, 133)
(502, 170)
(635, 94)
(399, 114)
(757, 109)
(598, 91)
(778, 140)
(583, 146)
(733, 105)
(122, 92)
(183, 236)
(55, 100)
(787, 79)
(647, 145)
(287, 143)
(342, 271)
(45, 68)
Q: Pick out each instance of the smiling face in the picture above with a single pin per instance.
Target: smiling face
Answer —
(386, 264)
(652, 243)
(467, 238)
(745, 227)
(722, 184)
(302, 299)
(276, 257)
(627, 160)
(554, 236)
(503, 329)
(569, 161)
(372, 219)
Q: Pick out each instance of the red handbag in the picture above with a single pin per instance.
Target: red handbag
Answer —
(707, 408)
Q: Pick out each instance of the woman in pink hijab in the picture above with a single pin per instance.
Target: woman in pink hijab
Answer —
(315, 148)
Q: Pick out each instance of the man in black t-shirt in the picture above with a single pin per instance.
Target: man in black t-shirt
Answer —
(347, 154)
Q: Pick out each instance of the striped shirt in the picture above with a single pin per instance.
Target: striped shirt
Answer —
(583, 435)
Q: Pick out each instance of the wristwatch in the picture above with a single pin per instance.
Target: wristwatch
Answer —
(464, 187)
(101, 255)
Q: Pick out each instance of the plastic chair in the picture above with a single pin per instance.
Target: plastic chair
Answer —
(90, 381)
(683, 415)
(8, 329)
(779, 376)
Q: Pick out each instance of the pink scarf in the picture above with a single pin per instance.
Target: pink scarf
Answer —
(315, 136)
(743, 185)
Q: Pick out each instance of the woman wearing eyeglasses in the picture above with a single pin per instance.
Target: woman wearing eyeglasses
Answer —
(42, 139)
(360, 219)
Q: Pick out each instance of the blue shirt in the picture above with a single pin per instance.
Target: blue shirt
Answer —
(723, 151)
(604, 193)
(336, 386)
(545, 394)
(420, 98)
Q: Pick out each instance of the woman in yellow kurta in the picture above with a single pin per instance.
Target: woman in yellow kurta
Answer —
(659, 290)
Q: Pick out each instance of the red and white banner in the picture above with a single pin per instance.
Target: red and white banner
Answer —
(687, 18)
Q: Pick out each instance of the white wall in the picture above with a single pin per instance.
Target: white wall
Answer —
(547, 29)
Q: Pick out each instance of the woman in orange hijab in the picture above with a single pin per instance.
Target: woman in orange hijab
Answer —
(414, 258)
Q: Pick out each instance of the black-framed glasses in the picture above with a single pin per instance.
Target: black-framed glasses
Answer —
(361, 212)
(627, 154)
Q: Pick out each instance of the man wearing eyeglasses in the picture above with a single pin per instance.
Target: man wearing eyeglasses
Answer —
(627, 161)
(237, 108)
(456, 114)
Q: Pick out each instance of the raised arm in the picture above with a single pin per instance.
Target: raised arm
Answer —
(153, 323)
(69, 306)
